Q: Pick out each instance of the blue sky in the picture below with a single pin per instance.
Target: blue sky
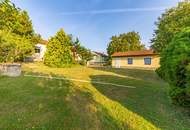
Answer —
(95, 21)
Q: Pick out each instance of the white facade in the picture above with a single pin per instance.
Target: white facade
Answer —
(39, 52)
(98, 59)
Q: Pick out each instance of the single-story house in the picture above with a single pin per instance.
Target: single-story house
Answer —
(40, 50)
(98, 59)
(146, 59)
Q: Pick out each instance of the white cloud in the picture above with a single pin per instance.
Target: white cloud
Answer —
(108, 11)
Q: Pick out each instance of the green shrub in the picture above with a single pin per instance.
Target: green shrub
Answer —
(175, 60)
(59, 52)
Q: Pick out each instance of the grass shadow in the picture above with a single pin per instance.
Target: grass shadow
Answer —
(149, 99)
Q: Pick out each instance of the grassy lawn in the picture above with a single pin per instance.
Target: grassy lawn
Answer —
(39, 103)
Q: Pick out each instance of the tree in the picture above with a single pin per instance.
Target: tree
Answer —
(59, 52)
(85, 54)
(170, 23)
(19, 37)
(81, 51)
(175, 67)
(13, 47)
(125, 42)
(14, 19)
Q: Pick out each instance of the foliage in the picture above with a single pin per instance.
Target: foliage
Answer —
(85, 54)
(170, 23)
(13, 47)
(175, 60)
(125, 42)
(81, 51)
(20, 38)
(14, 19)
(59, 52)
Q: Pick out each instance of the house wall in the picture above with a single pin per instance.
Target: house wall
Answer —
(40, 56)
(98, 58)
(138, 62)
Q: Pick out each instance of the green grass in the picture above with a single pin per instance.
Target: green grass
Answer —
(38, 103)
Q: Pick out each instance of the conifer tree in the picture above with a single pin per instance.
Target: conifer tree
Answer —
(59, 52)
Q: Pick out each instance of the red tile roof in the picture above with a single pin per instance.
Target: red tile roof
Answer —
(44, 42)
(134, 53)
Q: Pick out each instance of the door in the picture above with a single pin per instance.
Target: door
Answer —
(117, 62)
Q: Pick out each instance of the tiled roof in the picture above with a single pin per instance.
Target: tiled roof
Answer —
(134, 53)
(44, 42)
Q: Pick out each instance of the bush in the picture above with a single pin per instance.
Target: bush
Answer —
(175, 62)
(59, 52)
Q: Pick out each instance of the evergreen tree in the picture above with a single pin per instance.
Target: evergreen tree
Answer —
(59, 51)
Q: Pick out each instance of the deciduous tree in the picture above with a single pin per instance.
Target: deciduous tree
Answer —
(170, 23)
(125, 42)
(175, 67)
(13, 47)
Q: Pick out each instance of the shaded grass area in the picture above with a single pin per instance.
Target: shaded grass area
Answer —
(149, 99)
(39, 103)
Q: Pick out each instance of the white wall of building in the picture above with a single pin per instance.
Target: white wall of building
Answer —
(38, 56)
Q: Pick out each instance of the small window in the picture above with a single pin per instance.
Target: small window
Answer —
(147, 61)
(130, 61)
(37, 50)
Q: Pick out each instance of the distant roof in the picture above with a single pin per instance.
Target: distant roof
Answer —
(44, 42)
(100, 53)
(134, 53)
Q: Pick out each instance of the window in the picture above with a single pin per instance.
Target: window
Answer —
(147, 61)
(37, 50)
(130, 61)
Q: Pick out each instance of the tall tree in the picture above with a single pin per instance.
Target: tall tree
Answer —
(175, 67)
(17, 31)
(59, 50)
(14, 19)
(170, 23)
(125, 42)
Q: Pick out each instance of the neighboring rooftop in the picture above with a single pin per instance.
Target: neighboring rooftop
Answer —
(134, 53)
(100, 53)
(44, 42)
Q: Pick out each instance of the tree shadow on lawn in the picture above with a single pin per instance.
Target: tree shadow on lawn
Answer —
(149, 99)
(147, 75)
(93, 113)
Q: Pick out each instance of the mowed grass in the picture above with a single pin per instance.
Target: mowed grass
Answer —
(40, 103)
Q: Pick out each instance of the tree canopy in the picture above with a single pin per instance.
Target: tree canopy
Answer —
(59, 50)
(15, 19)
(175, 67)
(125, 42)
(170, 23)
(81, 51)
(13, 47)
(16, 32)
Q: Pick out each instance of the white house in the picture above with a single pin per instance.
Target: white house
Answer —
(98, 59)
(40, 50)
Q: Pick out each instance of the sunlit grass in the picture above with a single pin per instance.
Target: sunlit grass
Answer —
(36, 103)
